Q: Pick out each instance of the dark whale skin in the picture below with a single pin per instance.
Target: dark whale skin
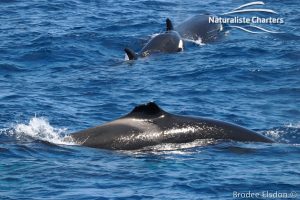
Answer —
(199, 27)
(149, 125)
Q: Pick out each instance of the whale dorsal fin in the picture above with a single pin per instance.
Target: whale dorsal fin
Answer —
(148, 110)
(130, 54)
(169, 25)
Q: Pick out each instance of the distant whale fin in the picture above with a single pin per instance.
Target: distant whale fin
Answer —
(130, 54)
(148, 110)
(169, 25)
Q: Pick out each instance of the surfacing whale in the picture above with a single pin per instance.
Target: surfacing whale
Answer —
(199, 27)
(203, 27)
(148, 125)
(167, 42)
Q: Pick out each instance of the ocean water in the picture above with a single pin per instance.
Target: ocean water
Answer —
(62, 69)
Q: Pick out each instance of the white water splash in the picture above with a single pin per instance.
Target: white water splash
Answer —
(274, 134)
(197, 42)
(40, 129)
(289, 133)
(278, 135)
(296, 125)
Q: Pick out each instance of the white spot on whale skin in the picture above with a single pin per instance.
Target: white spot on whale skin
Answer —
(180, 45)
(126, 57)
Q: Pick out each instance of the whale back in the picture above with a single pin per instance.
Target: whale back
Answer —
(199, 27)
(168, 42)
(148, 125)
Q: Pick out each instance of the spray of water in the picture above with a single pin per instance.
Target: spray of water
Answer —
(197, 42)
(293, 125)
(39, 128)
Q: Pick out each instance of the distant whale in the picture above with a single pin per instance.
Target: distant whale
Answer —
(148, 125)
(199, 27)
(204, 27)
(167, 42)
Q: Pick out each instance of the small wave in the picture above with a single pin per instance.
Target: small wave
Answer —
(286, 36)
(10, 68)
(39, 128)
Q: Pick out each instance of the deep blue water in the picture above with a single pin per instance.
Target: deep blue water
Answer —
(62, 69)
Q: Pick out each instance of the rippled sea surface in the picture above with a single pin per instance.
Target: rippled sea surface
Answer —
(62, 69)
